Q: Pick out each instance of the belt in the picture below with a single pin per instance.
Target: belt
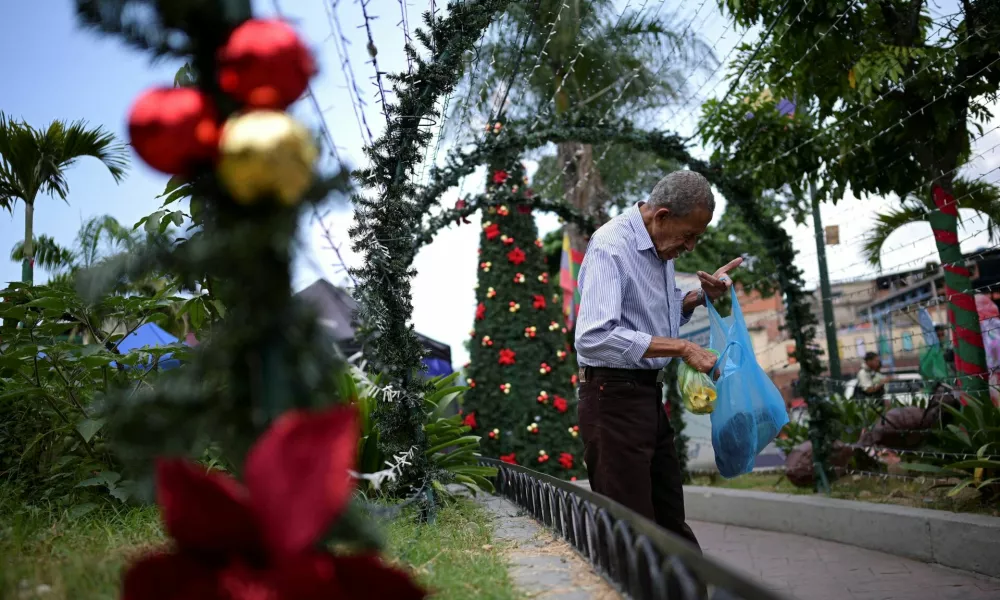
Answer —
(647, 376)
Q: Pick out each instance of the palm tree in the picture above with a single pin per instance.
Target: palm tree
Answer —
(975, 195)
(99, 238)
(590, 57)
(34, 161)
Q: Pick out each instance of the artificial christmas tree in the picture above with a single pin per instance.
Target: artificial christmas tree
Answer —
(522, 372)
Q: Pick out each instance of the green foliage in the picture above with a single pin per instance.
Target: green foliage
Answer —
(56, 371)
(521, 298)
(974, 430)
(453, 453)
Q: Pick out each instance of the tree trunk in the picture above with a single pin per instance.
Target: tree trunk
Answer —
(970, 356)
(28, 264)
(582, 186)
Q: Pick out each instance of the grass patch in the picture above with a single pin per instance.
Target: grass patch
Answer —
(866, 489)
(456, 557)
(57, 557)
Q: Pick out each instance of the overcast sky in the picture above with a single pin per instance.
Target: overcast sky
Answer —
(61, 72)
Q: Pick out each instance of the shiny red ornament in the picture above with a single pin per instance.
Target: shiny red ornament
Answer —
(492, 232)
(573, 379)
(480, 312)
(516, 256)
(510, 459)
(507, 356)
(539, 302)
(470, 420)
(500, 176)
(233, 541)
(560, 404)
(264, 64)
(174, 129)
(566, 460)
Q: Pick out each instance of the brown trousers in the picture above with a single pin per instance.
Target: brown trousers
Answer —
(629, 446)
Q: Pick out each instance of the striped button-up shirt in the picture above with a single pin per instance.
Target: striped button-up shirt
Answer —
(627, 296)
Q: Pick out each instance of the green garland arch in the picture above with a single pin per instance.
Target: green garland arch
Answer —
(592, 130)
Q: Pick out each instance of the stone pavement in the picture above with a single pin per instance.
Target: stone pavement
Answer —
(544, 566)
(811, 569)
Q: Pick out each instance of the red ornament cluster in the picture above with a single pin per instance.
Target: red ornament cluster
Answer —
(566, 460)
(263, 64)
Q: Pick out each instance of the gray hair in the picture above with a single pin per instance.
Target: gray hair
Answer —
(682, 192)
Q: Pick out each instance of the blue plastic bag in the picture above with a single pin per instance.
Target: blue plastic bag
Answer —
(749, 410)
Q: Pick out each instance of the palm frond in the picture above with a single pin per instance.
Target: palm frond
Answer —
(47, 252)
(909, 211)
(983, 198)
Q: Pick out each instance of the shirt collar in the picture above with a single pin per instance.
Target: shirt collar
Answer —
(639, 231)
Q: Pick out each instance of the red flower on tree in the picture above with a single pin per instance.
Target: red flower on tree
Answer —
(260, 540)
(492, 231)
(524, 209)
(560, 404)
(566, 460)
(480, 312)
(500, 176)
(459, 205)
(470, 420)
(506, 356)
(539, 301)
(516, 256)
(509, 458)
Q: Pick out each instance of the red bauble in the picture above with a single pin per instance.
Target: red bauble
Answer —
(265, 64)
(174, 129)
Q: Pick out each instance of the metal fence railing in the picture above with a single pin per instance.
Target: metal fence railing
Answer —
(637, 556)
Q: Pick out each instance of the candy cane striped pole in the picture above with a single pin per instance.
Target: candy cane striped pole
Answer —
(970, 356)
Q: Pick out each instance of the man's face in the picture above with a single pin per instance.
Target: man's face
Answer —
(874, 364)
(673, 236)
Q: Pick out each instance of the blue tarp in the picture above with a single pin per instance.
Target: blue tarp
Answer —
(437, 367)
(150, 335)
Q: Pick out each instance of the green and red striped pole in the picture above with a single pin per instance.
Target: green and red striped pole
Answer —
(970, 356)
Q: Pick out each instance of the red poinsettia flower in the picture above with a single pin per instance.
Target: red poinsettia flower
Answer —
(480, 312)
(516, 256)
(507, 356)
(459, 205)
(524, 209)
(529, 193)
(259, 540)
(509, 458)
(492, 232)
(470, 420)
(560, 404)
(539, 301)
(500, 176)
(566, 460)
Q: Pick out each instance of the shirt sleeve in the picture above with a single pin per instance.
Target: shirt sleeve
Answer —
(864, 380)
(600, 335)
(685, 316)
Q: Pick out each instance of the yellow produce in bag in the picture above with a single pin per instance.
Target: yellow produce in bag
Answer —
(697, 389)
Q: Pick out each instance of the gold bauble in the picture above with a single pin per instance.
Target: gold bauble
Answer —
(266, 153)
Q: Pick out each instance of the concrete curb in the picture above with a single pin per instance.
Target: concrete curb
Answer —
(962, 541)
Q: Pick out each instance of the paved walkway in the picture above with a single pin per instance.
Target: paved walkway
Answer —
(810, 569)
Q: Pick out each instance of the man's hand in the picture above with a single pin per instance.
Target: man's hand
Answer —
(699, 358)
(716, 284)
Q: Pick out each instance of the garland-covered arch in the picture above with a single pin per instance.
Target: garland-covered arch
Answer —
(518, 138)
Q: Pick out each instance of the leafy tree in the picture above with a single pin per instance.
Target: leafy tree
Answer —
(891, 92)
(34, 161)
(591, 56)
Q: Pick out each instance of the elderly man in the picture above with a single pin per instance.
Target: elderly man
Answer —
(627, 331)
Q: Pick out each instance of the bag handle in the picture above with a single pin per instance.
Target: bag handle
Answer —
(719, 362)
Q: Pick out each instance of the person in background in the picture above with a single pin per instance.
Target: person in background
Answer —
(946, 348)
(871, 381)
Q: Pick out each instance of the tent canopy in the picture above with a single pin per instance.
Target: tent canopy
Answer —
(150, 335)
(336, 310)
